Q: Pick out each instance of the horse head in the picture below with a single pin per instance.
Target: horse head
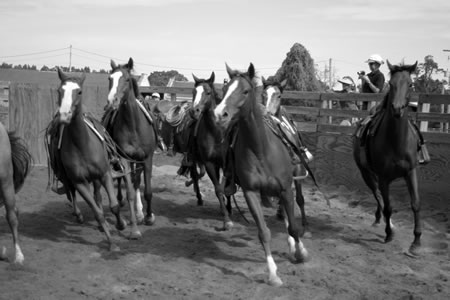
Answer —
(120, 83)
(204, 95)
(69, 96)
(272, 94)
(237, 92)
(400, 87)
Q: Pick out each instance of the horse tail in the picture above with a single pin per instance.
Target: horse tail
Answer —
(21, 160)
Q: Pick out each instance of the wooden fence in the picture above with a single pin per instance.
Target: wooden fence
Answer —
(32, 107)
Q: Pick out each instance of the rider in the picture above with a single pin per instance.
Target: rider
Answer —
(156, 96)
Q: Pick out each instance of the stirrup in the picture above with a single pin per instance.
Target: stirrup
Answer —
(60, 190)
(424, 156)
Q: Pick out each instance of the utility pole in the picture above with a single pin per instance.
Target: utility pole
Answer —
(446, 125)
(70, 58)
(329, 73)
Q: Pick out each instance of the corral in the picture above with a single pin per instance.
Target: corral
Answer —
(184, 256)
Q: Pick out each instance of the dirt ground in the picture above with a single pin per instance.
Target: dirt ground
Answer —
(183, 256)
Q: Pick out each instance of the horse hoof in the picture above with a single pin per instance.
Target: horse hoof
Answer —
(376, 224)
(150, 220)
(413, 251)
(228, 225)
(200, 203)
(389, 238)
(19, 259)
(121, 225)
(307, 235)
(114, 248)
(80, 219)
(135, 235)
(3, 254)
(275, 281)
(301, 257)
(140, 220)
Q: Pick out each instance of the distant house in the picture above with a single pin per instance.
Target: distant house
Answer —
(189, 85)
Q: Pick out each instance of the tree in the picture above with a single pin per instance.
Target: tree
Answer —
(161, 78)
(298, 69)
(6, 66)
(424, 82)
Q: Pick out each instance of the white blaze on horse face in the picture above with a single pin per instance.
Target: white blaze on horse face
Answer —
(115, 78)
(198, 96)
(220, 108)
(66, 102)
(270, 92)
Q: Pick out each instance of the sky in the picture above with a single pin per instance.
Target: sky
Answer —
(199, 36)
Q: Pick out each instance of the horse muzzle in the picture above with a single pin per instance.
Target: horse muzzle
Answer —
(65, 117)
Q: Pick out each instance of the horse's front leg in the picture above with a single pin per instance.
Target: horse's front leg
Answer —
(253, 201)
(413, 187)
(12, 215)
(131, 197)
(148, 194)
(107, 183)
(387, 211)
(301, 201)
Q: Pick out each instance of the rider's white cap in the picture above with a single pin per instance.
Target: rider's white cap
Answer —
(375, 58)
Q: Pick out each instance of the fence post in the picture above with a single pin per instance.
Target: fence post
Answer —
(424, 124)
(173, 97)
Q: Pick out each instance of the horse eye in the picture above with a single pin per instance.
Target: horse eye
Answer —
(245, 92)
(79, 93)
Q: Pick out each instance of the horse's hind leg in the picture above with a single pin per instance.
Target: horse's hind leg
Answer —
(387, 211)
(119, 192)
(413, 187)
(301, 202)
(71, 195)
(131, 197)
(253, 202)
(195, 178)
(12, 215)
(295, 244)
(108, 184)
(83, 189)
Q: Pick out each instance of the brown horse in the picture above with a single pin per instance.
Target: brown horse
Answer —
(135, 136)
(83, 156)
(262, 163)
(271, 97)
(208, 139)
(15, 163)
(391, 152)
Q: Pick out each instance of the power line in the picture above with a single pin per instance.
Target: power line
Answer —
(35, 53)
(39, 58)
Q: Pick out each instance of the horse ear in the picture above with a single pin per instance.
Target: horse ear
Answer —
(212, 77)
(130, 64)
(61, 75)
(389, 65)
(251, 71)
(196, 79)
(283, 83)
(413, 67)
(113, 65)
(82, 78)
(230, 71)
(264, 81)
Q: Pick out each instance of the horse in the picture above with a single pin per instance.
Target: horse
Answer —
(262, 163)
(209, 143)
(391, 152)
(83, 157)
(271, 98)
(133, 131)
(15, 163)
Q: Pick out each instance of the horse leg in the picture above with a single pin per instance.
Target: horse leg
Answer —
(296, 247)
(83, 189)
(195, 178)
(387, 211)
(372, 184)
(12, 215)
(131, 197)
(108, 184)
(413, 187)
(214, 173)
(119, 192)
(148, 194)
(71, 195)
(253, 202)
(301, 202)
(138, 201)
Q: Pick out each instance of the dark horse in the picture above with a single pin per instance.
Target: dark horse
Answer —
(15, 163)
(208, 139)
(83, 156)
(392, 152)
(271, 97)
(135, 136)
(262, 162)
